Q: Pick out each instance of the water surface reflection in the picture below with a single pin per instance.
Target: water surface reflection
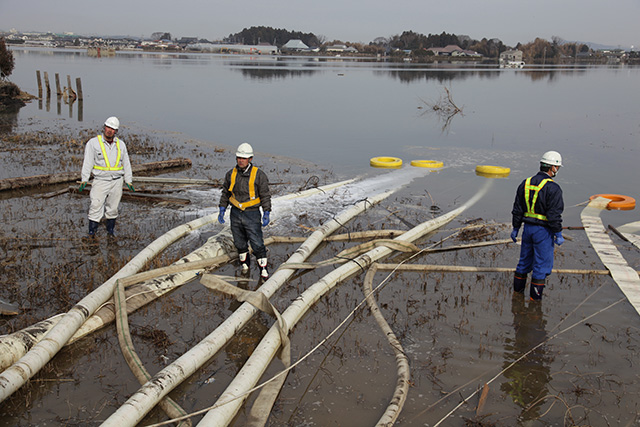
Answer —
(529, 377)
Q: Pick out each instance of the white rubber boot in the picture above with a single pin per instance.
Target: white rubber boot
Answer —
(264, 273)
(244, 261)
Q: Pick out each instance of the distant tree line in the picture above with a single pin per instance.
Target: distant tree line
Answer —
(407, 41)
(416, 44)
(541, 50)
(273, 36)
(419, 44)
(160, 35)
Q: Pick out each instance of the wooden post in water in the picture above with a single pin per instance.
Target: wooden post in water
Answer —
(58, 90)
(79, 87)
(70, 93)
(80, 99)
(46, 84)
(48, 88)
(39, 84)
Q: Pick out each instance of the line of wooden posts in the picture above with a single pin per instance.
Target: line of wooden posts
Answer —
(59, 92)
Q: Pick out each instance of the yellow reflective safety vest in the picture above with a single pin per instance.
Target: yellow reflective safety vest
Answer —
(253, 200)
(531, 202)
(118, 165)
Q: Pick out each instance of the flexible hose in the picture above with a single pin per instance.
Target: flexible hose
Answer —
(168, 405)
(402, 384)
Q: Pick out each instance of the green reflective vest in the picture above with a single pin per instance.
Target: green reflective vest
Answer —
(118, 166)
(531, 202)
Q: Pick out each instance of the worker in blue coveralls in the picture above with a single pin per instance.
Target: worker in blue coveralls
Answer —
(246, 188)
(539, 205)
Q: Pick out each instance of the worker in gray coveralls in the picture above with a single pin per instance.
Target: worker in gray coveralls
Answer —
(106, 157)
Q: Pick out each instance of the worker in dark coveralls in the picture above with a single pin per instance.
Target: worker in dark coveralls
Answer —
(539, 205)
(246, 189)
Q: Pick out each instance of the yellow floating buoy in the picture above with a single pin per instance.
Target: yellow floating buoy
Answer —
(427, 164)
(618, 201)
(492, 171)
(386, 162)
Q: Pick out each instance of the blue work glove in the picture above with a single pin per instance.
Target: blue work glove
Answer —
(130, 186)
(514, 234)
(82, 185)
(558, 239)
(221, 215)
(265, 219)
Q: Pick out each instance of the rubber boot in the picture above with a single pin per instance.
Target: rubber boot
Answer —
(264, 272)
(93, 227)
(244, 261)
(519, 282)
(111, 223)
(537, 287)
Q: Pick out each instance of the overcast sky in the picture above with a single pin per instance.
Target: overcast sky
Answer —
(612, 23)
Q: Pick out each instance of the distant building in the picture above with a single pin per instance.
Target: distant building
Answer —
(511, 59)
(341, 48)
(453, 50)
(261, 49)
(511, 55)
(184, 41)
(294, 45)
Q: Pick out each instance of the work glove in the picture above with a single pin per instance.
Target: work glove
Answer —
(514, 234)
(82, 185)
(558, 239)
(130, 186)
(265, 219)
(221, 215)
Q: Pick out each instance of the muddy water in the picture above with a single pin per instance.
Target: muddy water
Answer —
(459, 330)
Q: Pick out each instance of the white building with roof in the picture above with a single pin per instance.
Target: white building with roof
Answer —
(294, 45)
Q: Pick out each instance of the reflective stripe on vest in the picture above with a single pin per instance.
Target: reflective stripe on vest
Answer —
(253, 200)
(106, 159)
(530, 213)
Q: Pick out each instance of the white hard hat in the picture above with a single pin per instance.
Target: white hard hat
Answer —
(244, 150)
(551, 158)
(112, 122)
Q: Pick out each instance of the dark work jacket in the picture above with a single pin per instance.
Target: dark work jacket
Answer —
(241, 189)
(549, 204)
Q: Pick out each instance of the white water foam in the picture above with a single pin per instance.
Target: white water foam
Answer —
(312, 210)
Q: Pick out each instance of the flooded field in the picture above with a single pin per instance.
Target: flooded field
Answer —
(569, 360)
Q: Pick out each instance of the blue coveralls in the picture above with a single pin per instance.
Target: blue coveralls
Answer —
(541, 221)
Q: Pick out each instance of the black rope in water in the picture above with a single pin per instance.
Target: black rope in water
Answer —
(361, 267)
(366, 200)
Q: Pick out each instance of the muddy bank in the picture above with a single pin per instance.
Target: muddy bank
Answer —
(12, 98)
(459, 330)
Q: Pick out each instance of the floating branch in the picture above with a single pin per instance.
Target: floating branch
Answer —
(444, 108)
